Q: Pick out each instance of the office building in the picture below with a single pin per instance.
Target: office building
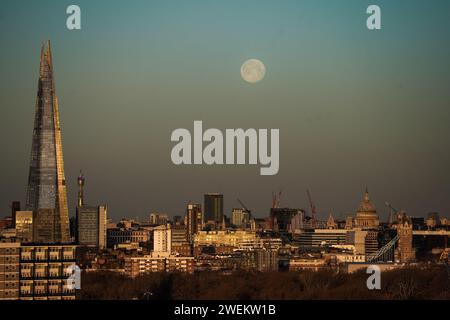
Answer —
(46, 193)
(321, 237)
(240, 217)
(213, 207)
(281, 218)
(224, 238)
(126, 235)
(365, 242)
(194, 220)
(90, 220)
(297, 222)
(180, 244)
(24, 226)
(91, 226)
(158, 218)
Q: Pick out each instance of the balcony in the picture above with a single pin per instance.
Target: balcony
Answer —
(54, 257)
(40, 257)
(54, 292)
(54, 275)
(68, 292)
(69, 257)
(40, 275)
(26, 275)
(26, 257)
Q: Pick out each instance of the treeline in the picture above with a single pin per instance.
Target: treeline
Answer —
(411, 283)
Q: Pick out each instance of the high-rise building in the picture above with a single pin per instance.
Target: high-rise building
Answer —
(91, 226)
(178, 235)
(194, 220)
(158, 218)
(162, 239)
(239, 216)
(91, 220)
(46, 193)
(180, 244)
(297, 220)
(281, 218)
(213, 207)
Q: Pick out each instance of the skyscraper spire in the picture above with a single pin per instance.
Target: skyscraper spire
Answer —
(46, 193)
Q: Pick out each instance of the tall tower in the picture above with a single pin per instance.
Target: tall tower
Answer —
(405, 232)
(47, 194)
(213, 206)
(80, 189)
(194, 220)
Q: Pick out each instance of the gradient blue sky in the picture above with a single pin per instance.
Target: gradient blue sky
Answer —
(354, 107)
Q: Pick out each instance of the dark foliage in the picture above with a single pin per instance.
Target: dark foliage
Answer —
(411, 283)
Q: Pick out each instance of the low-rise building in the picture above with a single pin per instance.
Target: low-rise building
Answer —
(138, 266)
(321, 237)
(229, 238)
(296, 264)
(124, 235)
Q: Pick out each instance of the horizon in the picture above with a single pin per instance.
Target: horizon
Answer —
(354, 108)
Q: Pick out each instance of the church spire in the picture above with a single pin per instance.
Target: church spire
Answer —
(330, 222)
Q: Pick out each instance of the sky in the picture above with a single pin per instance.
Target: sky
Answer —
(354, 107)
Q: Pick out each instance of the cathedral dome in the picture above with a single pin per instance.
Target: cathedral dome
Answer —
(366, 215)
(366, 206)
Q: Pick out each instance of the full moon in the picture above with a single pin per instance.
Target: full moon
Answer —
(253, 70)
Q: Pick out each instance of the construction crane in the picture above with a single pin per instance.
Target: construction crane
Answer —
(244, 207)
(391, 210)
(313, 208)
(276, 198)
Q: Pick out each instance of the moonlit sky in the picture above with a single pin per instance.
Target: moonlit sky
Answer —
(354, 107)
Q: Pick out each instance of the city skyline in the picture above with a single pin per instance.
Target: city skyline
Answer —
(366, 114)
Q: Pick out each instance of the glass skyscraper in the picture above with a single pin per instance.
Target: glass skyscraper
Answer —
(47, 194)
(213, 207)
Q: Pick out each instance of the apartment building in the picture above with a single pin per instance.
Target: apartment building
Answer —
(36, 272)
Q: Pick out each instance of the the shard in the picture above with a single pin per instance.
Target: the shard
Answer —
(47, 194)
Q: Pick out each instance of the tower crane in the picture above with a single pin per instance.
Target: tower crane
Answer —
(391, 210)
(313, 208)
(244, 207)
(276, 198)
